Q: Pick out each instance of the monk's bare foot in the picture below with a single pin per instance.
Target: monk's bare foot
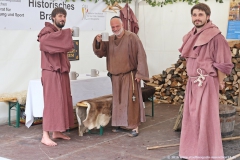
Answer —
(47, 141)
(60, 135)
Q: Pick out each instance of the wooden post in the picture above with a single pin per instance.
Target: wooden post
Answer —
(164, 146)
(234, 157)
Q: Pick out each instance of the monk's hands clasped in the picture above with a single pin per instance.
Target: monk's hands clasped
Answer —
(99, 37)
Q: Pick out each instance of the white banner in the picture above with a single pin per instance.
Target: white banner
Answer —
(31, 14)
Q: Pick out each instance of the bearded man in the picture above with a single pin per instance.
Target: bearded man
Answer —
(55, 42)
(127, 65)
(208, 58)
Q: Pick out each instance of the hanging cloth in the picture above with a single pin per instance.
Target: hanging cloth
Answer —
(129, 20)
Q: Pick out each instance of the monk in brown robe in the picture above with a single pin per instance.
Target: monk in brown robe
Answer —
(55, 42)
(127, 65)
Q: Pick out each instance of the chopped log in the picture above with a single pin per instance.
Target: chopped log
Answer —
(168, 70)
(173, 84)
(169, 76)
(152, 84)
(156, 82)
(179, 84)
(184, 76)
(164, 74)
(227, 79)
(184, 87)
(233, 59)
(235, 77)
(160, 79)
(181, 66)
(232, 43)
(237, 108)
(177, 70)
(159, 87)
(155, 77)
(151, 80)
(237, 67)
(163, 89)
(163, 101)
(168, 93)
(157, 93)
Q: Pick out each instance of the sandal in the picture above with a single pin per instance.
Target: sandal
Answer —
(119, 129)
(133, 134)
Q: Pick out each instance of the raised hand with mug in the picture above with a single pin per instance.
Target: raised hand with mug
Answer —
(103, 37)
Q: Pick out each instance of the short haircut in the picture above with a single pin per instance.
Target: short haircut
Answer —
(115, 17)
(58, 10)
(202, 7)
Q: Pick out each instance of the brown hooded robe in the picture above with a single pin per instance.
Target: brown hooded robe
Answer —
(123, 56)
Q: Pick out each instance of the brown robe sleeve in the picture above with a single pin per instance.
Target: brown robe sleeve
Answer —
(141, 61)
(55, 42)
(101, 50)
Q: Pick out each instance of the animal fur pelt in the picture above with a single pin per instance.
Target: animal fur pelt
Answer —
(20, 96)
(81, 115)
(98, 113)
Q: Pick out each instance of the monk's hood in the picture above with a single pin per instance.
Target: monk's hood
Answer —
(191, 41)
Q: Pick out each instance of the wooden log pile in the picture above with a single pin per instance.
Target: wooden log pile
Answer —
(230, 95)
(171, 83)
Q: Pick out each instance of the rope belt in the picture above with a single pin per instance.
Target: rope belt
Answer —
(200, 78)
(133, 96)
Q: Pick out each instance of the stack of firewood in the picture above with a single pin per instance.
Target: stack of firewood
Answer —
(230, 95)
(171, 83)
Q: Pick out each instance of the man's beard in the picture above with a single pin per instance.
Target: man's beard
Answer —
(59, 25)
(199, 26)
(119, 32)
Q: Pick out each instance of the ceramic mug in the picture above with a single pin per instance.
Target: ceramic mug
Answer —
(73, 75)
(105, 36)
(94, 73)
(75, 31)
